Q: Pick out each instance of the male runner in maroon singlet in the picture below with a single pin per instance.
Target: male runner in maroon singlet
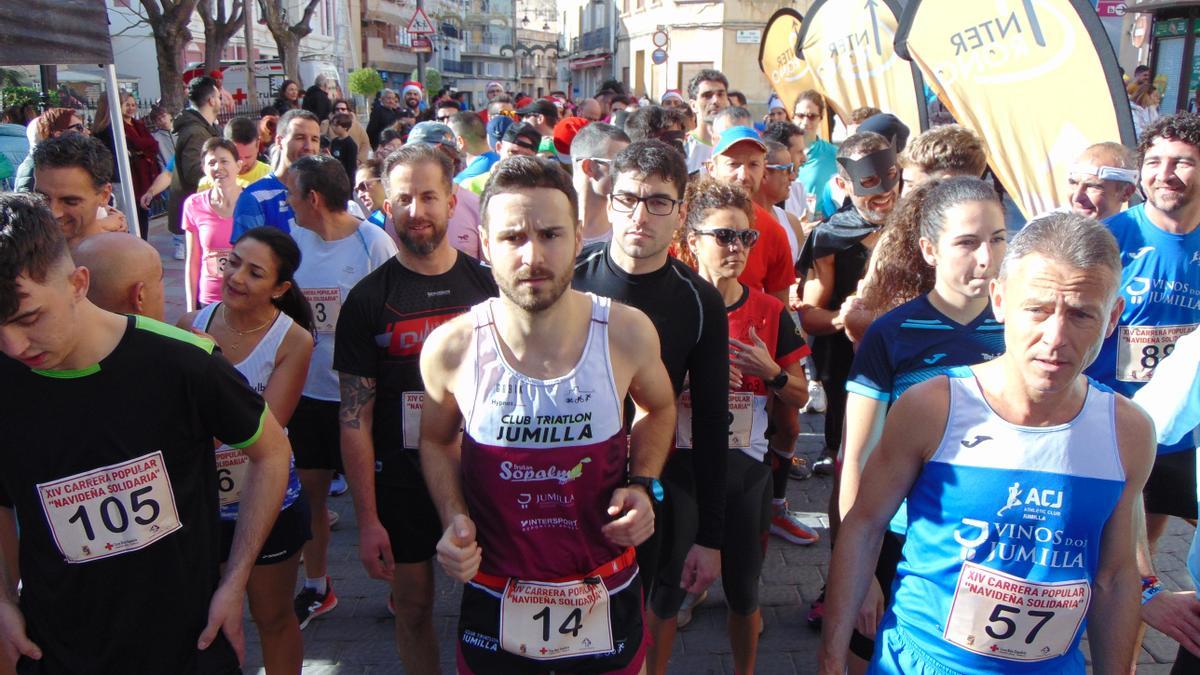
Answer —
(541, 516)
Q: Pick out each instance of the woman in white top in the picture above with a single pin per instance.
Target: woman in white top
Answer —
(1143, 102)
(263, 325)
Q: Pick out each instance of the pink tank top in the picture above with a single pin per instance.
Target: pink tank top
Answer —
(541, 458)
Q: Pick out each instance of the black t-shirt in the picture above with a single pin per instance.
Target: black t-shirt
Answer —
(112, 473)
(345, 150)
(380, 332)
(694, 338)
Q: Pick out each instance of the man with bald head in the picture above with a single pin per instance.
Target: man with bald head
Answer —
(126, 274)
(589, 109)
(1102, 180)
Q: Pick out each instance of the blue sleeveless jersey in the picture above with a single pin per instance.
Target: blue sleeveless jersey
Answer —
(1161, 286)
(913, 343)
(1003, 542)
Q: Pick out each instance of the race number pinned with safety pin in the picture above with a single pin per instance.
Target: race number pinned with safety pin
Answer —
(1007, 617)
(542, 621)
(741, 419)
(111, 510)
(1141, 348)
(326, 304)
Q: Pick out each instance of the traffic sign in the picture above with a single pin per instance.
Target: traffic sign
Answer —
(660, 38)
(422, 45)
(659, 57)
(1111, 8)
(420, 23)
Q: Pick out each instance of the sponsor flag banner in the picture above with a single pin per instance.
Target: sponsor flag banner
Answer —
(785, 70)
(54, 31)
(849, 45)
(990, 61)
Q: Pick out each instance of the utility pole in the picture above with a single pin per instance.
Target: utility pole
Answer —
(421, 55)
(251, 61)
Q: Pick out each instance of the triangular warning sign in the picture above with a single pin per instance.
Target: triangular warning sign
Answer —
(420, 23)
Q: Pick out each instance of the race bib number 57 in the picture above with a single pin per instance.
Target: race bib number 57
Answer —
(544, 621)
(1007, 617)
(110, 510)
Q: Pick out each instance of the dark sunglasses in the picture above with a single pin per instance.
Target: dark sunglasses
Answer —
(726, 236)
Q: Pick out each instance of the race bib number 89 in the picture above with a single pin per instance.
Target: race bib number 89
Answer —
(1006, 617)
(545, 621)
(110, 510)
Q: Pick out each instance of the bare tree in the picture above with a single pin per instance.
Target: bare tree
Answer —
(287, 37)
(219, 26)
(168, 20)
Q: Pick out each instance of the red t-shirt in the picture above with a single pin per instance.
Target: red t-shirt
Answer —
(769, 266)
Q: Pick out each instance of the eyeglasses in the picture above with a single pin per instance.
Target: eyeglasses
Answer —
(809, 116)
(781, 167)
(726, 236)
(656, 205)
(366, 184)
(444, 118)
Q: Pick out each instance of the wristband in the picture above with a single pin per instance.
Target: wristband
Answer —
(1150, 592)
(1149, 581)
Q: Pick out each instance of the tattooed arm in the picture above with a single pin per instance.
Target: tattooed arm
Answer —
(358, 458)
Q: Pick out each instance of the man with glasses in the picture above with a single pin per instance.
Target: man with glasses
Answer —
(592, 152)
(774, 190)
(707, 91)
(369, 191)
(635, 267)
(821, 164)
(444, 109)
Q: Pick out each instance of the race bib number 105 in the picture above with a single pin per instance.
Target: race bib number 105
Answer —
(544, 621)
(1007, 617)
(110, 510)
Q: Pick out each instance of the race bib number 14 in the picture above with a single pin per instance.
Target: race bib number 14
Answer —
(1006, 617)
(110, 510)
(545, 621)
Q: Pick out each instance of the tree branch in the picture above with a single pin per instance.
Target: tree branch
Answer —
(302, 27)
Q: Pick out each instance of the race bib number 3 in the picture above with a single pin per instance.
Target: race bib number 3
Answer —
(1007, 617)
(326, 304)
(231, 474)
(413, 400)
(741, 420)
(111, 510)
(1141, 348)
(545, 621)
(215, 261)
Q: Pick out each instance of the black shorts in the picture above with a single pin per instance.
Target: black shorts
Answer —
(676, 522)
(411, 521)
(1171, 488)
(885, 573)
(479, 649)
(292, 528)
(747, 524)
(315, 435)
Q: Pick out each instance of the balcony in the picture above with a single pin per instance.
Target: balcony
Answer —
(457, 67)
(600, 38)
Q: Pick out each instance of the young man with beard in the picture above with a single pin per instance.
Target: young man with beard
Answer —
(1023, 479)
(836, 255)
(707, 92)
(541, 514)
(380, 335)
(337, 250)
(635, 268)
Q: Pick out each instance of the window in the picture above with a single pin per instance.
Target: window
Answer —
(687, 70)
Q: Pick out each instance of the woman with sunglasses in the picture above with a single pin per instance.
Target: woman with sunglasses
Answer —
(263, 326)
(956, 228)
(766, 351)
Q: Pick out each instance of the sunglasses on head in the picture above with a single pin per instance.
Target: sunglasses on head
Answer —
(726, 236)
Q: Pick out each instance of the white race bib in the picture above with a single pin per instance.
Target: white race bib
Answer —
(231, 474)
(741, 419)
(326, 304)
(544, 621)
(1141, 348)
(1006, 617)
(413, 400)
(214, 262)
(110, 510)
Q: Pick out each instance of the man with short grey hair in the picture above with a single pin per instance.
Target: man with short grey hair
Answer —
(733, 116)
(1027, 438)
(592, 152)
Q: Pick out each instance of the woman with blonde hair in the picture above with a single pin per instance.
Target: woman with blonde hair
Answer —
(1143, 102)
(141, 147)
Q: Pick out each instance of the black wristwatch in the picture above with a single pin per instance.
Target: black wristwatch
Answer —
(653, 487)
(779, 381)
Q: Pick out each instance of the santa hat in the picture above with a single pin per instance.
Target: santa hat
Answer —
(412, 86)
(494, 83)
(672, 93)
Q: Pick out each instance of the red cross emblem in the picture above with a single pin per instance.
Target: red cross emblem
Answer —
(239, 96)
(108, 546)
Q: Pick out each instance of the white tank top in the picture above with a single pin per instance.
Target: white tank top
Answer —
(260, 363)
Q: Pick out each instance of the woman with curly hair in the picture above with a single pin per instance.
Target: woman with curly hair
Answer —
(954, 229)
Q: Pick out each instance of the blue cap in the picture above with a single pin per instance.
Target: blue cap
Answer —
(431, 133)
(734, 135)
(496, 127)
